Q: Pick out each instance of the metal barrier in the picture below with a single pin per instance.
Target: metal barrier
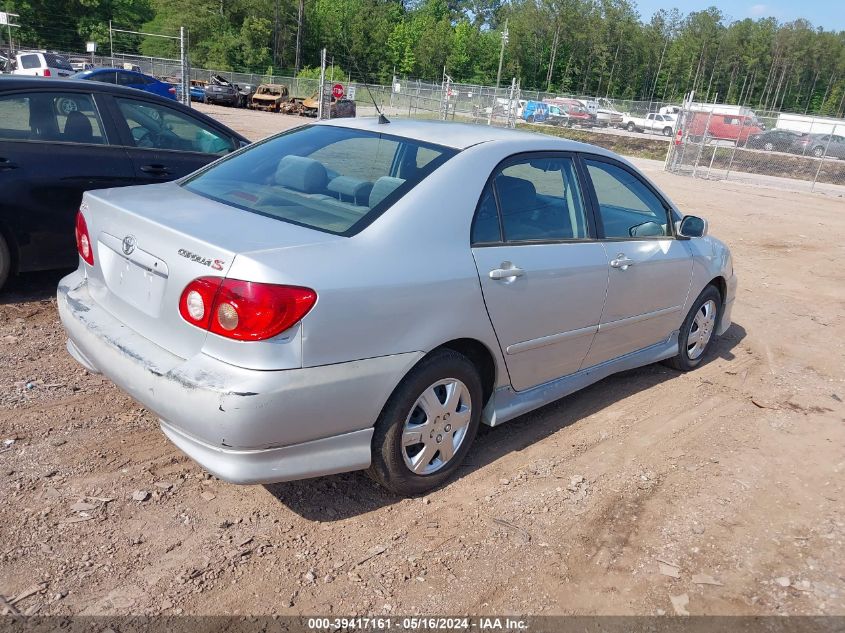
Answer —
(770, 148)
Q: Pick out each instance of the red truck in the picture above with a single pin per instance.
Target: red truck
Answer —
(578, 114)
(728, 127)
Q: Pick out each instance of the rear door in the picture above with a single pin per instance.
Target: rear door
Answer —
(649, 270)
(53, 147)
(165, 143)
(543, 275)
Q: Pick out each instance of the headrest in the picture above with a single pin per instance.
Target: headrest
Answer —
(515, 194)
(301, 174)
(383, 187)
(355, 188)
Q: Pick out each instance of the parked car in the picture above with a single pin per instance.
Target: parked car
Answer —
(130, 79)
(557, 116)
(651, 122)
(79, 64)
(606, 114)
(774, 141)
(269, 97)
(578, 114)
(246, 91)
(296, 323)
(821, 145)
(111, 137)
(728, 127)
(535, 111)
(340, 108)
(222, 94)
(42, 64)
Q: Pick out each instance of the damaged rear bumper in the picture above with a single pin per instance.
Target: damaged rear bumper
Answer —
(245, 426)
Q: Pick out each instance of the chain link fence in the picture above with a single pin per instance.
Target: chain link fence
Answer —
(773, 148)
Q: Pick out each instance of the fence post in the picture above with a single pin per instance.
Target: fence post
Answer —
(821, 161)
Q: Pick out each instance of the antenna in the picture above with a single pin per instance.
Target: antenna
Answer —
(382, 120)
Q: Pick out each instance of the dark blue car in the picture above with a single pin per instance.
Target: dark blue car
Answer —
(130, 79)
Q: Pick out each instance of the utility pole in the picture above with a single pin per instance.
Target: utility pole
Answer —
(111, 44)
(298, 36)
(502, 54)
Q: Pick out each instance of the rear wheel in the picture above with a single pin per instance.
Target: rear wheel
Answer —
(5, 262)
(818, 152)
(667, 131)
(768, 146)
(427, 425)
(698, 331)
(530, 118)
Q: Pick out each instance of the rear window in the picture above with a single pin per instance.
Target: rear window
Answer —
(57, 61)
(30, 61)
(331, 179)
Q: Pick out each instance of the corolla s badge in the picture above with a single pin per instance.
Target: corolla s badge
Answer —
(129, 244)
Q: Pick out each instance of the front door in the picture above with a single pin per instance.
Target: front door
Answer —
(543, 275)
(165, 143)
(649, 269)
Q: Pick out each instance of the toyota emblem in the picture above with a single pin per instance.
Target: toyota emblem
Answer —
(129, 244)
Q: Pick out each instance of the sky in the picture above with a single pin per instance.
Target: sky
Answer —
(829, 14)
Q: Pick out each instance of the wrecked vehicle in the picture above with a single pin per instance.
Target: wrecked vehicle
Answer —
(221, 91)
(340, 108)
(269, 97)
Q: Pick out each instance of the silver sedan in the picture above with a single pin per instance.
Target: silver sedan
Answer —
(362, 295)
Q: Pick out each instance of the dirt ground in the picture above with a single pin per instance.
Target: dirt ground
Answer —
(722, 488)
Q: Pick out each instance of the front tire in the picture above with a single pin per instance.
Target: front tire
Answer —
(631, 127)
(697, 331)
(428, 424)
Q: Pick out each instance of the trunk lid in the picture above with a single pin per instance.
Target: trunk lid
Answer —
(149, 242)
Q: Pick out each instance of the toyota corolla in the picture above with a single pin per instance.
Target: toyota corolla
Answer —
(362, 295)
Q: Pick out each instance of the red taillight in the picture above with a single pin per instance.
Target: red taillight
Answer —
(244, 310)
(171, 90)
(83, 240)
(47, 72)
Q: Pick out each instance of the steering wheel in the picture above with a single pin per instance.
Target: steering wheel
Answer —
(142, 137)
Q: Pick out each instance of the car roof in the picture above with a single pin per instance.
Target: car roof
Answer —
(448, 134)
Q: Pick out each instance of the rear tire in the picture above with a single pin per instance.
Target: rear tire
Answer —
(667, 131)
(697, 331)
(769, 146)
(818, 152)
(439, 404)
(5, 262)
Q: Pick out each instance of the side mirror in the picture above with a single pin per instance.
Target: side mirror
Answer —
(692, 226)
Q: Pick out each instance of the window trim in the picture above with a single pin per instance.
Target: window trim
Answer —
(586, 202)
(594, 201)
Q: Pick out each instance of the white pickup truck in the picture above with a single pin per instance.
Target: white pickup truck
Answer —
(652, 122)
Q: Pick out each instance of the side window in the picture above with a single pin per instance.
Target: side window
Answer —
(50, 116)
(539, 199)
(14, 117)
(485, 225)
(109, 77)
(628, 207)
(30, 61)
(156, 126)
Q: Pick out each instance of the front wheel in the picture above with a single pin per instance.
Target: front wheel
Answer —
(427, 425)
(667, 131)
(631, 127)
(697, 331)
(818, 152)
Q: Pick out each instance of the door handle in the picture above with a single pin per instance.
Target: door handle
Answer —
(155, 170)
(621, 262)
(7, 164)
(507, 272)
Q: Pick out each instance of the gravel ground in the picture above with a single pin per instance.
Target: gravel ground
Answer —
(719, 491)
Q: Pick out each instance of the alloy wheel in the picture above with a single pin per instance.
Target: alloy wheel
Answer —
(701, 330)
(436, 426)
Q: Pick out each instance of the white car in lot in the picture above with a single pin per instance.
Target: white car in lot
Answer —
(42, 64)
(651, 122)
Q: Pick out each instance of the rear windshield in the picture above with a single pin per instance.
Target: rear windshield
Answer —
(332, 179)
(56, 61)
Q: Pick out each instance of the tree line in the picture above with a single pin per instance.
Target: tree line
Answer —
(585, 47)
